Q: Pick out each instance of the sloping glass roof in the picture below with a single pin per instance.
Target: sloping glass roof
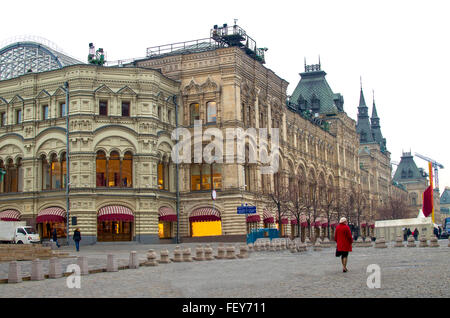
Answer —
(31, 56)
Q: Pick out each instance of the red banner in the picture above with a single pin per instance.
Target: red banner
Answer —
(427, 206)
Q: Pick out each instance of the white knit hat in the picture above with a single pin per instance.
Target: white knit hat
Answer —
(342, 220)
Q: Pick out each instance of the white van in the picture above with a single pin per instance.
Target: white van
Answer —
(18, 232)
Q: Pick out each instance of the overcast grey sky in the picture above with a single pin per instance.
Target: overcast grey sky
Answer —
(399, 48)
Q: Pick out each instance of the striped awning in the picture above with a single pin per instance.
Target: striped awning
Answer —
(115, 213)
(52, 214)
(284, 220)
(253, 218)
(204, 214)
(267, 217)
(167, 214)
(303, 220)
(10, 215)
(294, 221)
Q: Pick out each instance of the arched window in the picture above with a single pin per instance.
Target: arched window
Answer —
(114, 172)
(114, 169)
(163, 175)
(127, 170)
(45, 173)
(101, 169)
(55, 167)
(3, 177)
(211, 110)
(63, 170)
(11, 178)
(194, 112)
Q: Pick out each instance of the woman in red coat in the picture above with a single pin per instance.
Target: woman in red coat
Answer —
(344, 240)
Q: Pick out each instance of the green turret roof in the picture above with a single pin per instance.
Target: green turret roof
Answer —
(314, 93)
(407, 169)
(363, 124)
(445, 197)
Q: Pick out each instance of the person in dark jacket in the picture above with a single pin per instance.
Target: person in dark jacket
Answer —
(55, 237)
(77, 238)
(408, 232)
(416, 233)
(344, 240)
(436, 233)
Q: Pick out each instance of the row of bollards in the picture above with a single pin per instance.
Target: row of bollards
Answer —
(422, 242)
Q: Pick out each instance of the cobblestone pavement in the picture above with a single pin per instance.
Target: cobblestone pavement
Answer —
(405, 272)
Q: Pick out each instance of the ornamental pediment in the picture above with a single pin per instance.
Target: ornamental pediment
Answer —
(43, 94)
(103, 89)
(59, 92)
(16, 99)
(192, 88)
(126, 91)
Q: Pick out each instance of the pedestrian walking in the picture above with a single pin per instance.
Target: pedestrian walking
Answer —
(55, 237)
(77, 238)
(440, 232)
(344, 240)
(416, 234)
(436, 233)
(405, 234)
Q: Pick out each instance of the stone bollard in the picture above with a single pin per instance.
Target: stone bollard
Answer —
(381, 243)
(15, 272)
(55, 270)
(230, 252)
(187, 255)
(267, 247)
(307, 242)
(208, 253)
(399, 241)
(301, 247)
(423, 241)
(292, 248)
(151, 258)
(37, 271)
(111, 263)
(434, 242)
(250, 247)
(199, 253)
(82, 262)
(220, 252)
(317, 246)
(133, 262)
(359, 242)
(258, 246)
(164, 254)
(326, 242)
(243, 251)
(411, 242)
(177, 254)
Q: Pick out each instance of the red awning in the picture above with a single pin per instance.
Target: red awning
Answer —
(204, 214)
(267, 217)
(304, 224)
(167, 214)
(253, 218)
(363, 224)
(294, 221)
(10, 215)
(52, 214)
(115, 213)
(284, 220)
(325, 224)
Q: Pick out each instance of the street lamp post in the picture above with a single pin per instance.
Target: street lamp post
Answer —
(66, 89)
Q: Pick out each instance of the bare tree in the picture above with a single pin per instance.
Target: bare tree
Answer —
(329, 204)
(297, 204)
(395, 207)
(279, 197)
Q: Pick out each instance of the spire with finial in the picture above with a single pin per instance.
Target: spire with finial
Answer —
(362, 101)
(374, 108)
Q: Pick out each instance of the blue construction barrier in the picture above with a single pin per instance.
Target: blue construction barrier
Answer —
(262, 233)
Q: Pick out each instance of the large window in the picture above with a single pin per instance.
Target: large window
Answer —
(103, 108)
(194, 112)
(3, 119)
(62, 109)
(114, 171)
(13, 179)
(45, 112)
(54, 172)
(18, 116)
(211, 110)
(206, 177)
(101, 169)
(126, 109)
(163, 176)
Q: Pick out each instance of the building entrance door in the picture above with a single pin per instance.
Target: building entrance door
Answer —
(113, 231)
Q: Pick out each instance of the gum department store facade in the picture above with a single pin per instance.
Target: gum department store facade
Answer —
(122, 178)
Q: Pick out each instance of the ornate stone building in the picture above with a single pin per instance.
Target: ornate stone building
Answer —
(121, 178)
